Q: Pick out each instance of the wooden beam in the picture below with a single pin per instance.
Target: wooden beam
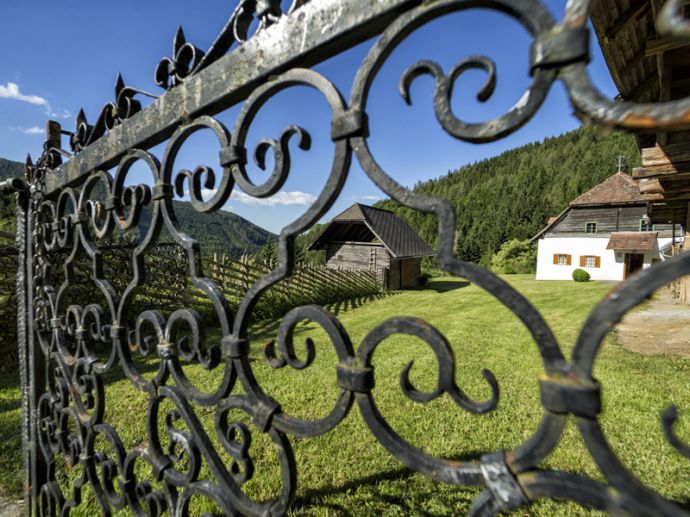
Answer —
(655, 190)
(674, 194)
(664, 69)
(660, 45)
(649, 82)
(637, 8)
(661, 170)
(682, 85)
(635, 60)
(653, 197)
(674, 181)
(651, 186)
(662, 155)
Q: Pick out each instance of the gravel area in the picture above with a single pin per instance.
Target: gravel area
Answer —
(662, 327)
(10, 507)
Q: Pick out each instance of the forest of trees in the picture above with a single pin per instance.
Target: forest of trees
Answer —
(511, 195)
(8, 169)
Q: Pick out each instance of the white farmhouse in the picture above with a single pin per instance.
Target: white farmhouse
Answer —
(606, 232)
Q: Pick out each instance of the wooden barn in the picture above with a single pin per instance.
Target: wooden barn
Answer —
(364, 237)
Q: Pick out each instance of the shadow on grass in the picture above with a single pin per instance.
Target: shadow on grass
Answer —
(443, 286)
(313, 499)
(9, 379)
(353, 303)
(683, 503)
(269, 327)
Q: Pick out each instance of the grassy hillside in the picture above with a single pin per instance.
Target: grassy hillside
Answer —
(511, 195)
(347, 472)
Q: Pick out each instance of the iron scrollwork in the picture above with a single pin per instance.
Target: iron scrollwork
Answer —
(79, 344)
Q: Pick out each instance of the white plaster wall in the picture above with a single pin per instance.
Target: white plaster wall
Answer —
(666, 243)
(610, 269)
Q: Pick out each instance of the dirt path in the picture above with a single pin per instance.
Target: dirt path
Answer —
(10, 507)
(662, 327)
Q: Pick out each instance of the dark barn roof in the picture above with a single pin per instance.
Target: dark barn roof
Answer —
(363, 223)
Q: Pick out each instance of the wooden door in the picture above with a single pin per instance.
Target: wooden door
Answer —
(409, 272)
(633, 263)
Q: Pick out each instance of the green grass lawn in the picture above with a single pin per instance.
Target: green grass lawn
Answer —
(347, 472)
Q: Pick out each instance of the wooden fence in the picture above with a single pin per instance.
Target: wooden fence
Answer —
(307, 284)
(167, 285)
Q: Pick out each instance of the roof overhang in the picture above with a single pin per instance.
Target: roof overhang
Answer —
(553, 223)
(633, 241)
(317, 244)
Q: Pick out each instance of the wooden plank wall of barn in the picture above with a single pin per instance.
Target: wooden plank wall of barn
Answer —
(356, 255)
(608, 219)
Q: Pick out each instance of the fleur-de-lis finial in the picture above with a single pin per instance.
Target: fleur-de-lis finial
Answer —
(185, 59)
(28, 169)
(125, 104)
(112, 114)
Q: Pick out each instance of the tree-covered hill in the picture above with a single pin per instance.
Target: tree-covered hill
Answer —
(8, 169)
(220, 232)
(511, 195)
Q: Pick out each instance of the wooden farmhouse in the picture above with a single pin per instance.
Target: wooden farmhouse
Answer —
(364, 237)
(606, 231)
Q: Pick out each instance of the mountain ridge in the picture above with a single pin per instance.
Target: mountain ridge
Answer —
(220, 232)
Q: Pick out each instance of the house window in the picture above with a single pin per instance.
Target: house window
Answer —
(591, 228)
(562, 259)
(590, 261)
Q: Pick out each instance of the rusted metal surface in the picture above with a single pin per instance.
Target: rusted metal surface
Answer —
(73, 202)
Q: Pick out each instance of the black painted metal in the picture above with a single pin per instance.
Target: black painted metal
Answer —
(70, 206)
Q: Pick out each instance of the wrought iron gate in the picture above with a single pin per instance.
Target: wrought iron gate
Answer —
(64, 209)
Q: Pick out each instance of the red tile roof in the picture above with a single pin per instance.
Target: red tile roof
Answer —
(619, 189)
(632, 241)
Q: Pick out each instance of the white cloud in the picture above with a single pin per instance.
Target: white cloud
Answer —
(366, 198)
(60, 113)
(33, 130)
(11, 91)
(282, 198)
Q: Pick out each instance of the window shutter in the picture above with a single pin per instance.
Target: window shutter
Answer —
(570, 259)
(555, 258)
(582, 261)
(597, 261)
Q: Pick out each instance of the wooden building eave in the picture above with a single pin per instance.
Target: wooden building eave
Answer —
(647, 67)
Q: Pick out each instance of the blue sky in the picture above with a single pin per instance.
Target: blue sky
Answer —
(61, 56)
